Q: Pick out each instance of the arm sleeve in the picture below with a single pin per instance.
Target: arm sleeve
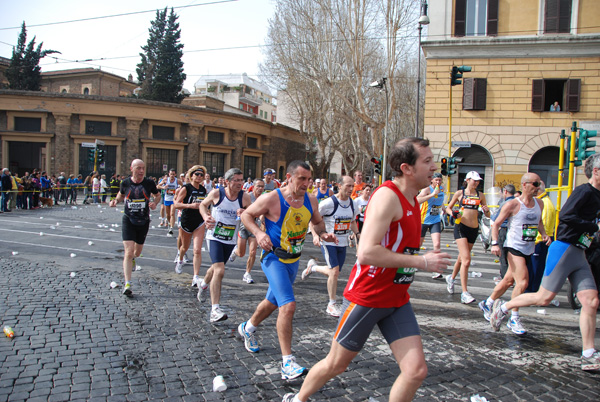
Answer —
(569, 215)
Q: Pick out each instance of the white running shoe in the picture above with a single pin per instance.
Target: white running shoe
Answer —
(185, 259)
(306, 273)
(466, 298)
(177, 258)
(202, 292)
(170, 232)
(514, 324)
(436, 275)
(196, 282)
(450, 284)
(334, 310)
(217, 315)
(249, 340)
(291, 369)
(179, 267)
(247, 278)
(233, 255)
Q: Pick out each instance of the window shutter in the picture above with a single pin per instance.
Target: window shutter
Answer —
(564, 16)
(474, 93)
(460, 18)
(557, 17)
(492, 18)
(551, 16)
(537, 96)
(573, 95)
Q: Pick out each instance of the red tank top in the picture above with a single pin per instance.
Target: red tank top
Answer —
(380, 287)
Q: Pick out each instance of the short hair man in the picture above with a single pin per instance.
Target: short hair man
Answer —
(433, 195)
(227, 204)
(376, 295)
(578, 222)
(525, 221)
(323, 191)
(339, 213)
(270, 183)
(358, 184)
(135, 191)
(508, 193)
(287, 213)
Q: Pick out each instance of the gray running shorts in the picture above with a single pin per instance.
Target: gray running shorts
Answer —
(567, 261)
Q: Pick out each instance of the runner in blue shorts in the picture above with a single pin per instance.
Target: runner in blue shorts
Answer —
(578, 222)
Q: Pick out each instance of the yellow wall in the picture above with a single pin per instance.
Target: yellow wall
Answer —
(518, 17)
(589, 16)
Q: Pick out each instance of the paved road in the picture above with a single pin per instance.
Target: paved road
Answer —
(78, 339)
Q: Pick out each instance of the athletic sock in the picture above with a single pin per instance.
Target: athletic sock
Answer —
(503, 308)
(286, 358)
(204, 285)
(588, 352)
(489, 302)
(250, 327)
(515, 314)
(214, 307)
(332, 301)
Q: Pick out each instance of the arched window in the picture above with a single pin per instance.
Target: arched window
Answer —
(545, 163)
(86, 91)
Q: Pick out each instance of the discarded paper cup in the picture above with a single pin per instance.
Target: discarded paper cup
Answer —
(542, 311)
(73, 274)
(219, 384)
(73, 255)
(90, 243)
(41, 233)
(113, 285)
(15, 253)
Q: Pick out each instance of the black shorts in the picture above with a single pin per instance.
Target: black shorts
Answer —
(517, 253)
(465, 232)
(190, 225)
(135, 233)
(433, 228)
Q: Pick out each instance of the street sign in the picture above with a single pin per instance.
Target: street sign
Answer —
(462, 144)
(88, 145)
(99, 142)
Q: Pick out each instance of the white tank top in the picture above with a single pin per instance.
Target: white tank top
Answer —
(170, 188)
(523, 228)
(225, 214)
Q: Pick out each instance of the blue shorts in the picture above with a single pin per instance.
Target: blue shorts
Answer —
(335, 256)
(281, 277)
(168, 203)
(218, 251)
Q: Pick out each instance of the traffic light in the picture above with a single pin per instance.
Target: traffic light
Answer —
(453, 164)
(584, 144)
(456, 73)
(377, 162)
(444, 167)
(101, 154)
(91, 154)
(575, 154)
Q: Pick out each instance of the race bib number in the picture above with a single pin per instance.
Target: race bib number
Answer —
(197, 200)
(405, 276)
(224, 232)
(471, 202)
(171, 191)
(341, 226)
(435, 210)
(530, 232)
(585, 241)
(296, 246)
(136, 205)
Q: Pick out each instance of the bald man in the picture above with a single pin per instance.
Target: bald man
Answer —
(524, 216)
(135, 191)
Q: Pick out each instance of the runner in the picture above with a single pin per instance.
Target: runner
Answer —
(188, 199)
(227, 203)
(323, 191)
(379, 296)
(434, 196)
(169, 185)
(361, 205)
(246, 237)
(524, 216)
(270, 184)
(578, 222)
(287, 213)
(136, 192)
(359, 184)
(339, 214)
(466, 229)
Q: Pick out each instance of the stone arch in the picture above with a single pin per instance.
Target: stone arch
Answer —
(476, 137)
(542, 140)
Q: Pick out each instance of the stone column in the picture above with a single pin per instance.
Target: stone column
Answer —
(193, 148)
(237, 140)
(132, 144)
(62, 152)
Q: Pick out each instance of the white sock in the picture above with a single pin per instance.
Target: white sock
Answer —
(296, 399)
(196, 277)
(331, 301)
(214, 307)
(204, 284)
(515, 314)
(489, 302)
(588, 352)
(286, 358)
(250, 327)
(503, 308)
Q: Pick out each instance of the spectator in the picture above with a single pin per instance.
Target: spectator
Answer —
(62, 187)
(103, 188)
(96, 188)
(71, 189)
(115, 185)
(35, 188)
(6, 185)
(46, 185)
(27, 191)
(358, 184)
(19, 191)
(555, 107)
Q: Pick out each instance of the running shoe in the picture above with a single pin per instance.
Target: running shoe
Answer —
(249, 339)
(247, 278)
(466, 298)
(306, 273)
(196, 282)
(334, 310)
(161, 224)
(233, 255)
(127, 290)
(202, 293)
(486, 310)
(170, 232)
(217, 315)
(450, 284)
(514, 324)
(436, 275)
(291, 369)
(179, 267)
(177, 257)
(133, 265)
(185, 259)
(288, 397)
(592, 362)
(497, 315)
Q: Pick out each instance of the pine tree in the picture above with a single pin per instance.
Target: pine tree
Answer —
(24, 71)
(160, 71)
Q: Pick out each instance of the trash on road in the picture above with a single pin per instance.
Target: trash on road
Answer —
(73, 274)
(114, 284)
(15, 253)
(477, 398)
(219, 384)
(73, 255)
(542, 311)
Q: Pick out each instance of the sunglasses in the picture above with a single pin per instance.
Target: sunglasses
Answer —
(198, 173)
(535, 183)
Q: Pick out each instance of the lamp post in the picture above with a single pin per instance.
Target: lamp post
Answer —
(423, 20)
(382, 85)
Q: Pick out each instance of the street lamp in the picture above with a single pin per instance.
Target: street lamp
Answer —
(382, 84)
(423, 20)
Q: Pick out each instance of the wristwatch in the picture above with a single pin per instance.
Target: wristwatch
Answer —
(494, 243)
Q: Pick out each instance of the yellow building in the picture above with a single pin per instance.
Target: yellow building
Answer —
(525, 56)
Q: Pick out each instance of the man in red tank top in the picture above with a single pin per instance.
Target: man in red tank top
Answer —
(377, 290)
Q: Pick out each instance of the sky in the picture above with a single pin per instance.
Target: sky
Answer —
(219, 36)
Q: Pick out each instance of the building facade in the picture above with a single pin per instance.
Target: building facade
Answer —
(525, 56)
(53, 131)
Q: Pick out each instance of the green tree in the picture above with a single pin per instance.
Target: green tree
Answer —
(24, 71)
(160, 71)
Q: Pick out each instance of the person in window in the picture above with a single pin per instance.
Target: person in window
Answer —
(555, 107)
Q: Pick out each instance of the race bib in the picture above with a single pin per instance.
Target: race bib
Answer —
(197, 200)
(171, 191)
(341, 226)
(471, 202)
(296, 246)
(585, 241)
(136, 205)
(435, 210)
(224, 232)
(405, 276)
(530, 232)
